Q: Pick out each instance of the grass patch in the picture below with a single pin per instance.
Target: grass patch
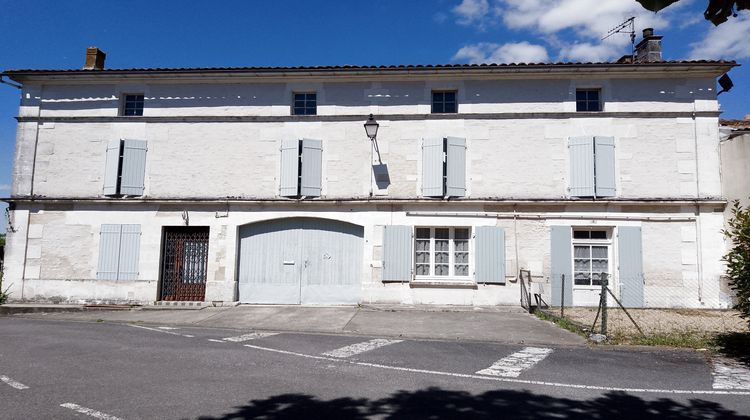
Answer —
(563, 323)
(686, 339)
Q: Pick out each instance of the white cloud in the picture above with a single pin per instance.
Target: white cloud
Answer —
(728, 40)
(471, 11)
(514, 52)
(586, 51)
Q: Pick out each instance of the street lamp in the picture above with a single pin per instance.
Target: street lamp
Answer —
(371, 127)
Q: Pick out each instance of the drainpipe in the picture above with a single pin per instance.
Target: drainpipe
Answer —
(31, 192)
(698, 244)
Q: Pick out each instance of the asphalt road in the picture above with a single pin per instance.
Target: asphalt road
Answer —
(62, 369)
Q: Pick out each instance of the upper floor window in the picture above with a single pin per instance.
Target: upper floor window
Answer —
(444, 167)
(305, 104)
(301, 168)
(444, 102)
(125, 169)
(588, 100)
(132, 105)
(592, 166)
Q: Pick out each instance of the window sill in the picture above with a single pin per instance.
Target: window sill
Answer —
(450, 284)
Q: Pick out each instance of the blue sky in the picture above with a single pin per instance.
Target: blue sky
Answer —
(172, 33)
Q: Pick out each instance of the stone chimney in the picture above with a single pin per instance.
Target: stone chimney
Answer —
(649, 49)
(94, 59)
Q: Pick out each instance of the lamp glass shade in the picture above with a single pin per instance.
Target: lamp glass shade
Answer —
(371, 127)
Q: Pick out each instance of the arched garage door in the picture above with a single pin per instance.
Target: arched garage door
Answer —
(300, 260)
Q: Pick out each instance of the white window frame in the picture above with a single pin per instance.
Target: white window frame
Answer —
(608, 242)
(451, 255)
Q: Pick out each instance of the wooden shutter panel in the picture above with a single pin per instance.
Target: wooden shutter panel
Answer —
(456, 171)
(109, 252)
(604, 150)
(562, 264)
(289, 180)
(133, 167)
(630, 260)
(112, 167)
(432, 167)
(397, 253)
(130, 246)
(312, 167)
(490, 255)
(582, 166)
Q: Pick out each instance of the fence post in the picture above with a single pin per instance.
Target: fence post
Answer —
(603, 303)
(562, 297)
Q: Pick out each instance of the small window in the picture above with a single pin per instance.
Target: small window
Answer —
(444, 102)
(588, 100)
(132, 105)
(591, 257)
(305, 104)
(442, 252)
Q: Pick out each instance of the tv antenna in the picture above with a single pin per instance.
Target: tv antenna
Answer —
(627, 27)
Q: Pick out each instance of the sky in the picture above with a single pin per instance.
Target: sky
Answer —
(176, 33)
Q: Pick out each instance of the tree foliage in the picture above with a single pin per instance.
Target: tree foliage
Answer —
(738, 257)
(717, 11)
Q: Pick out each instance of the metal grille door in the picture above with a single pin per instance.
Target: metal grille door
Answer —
(184, 263)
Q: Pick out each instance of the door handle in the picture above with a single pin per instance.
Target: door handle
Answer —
(288, 263)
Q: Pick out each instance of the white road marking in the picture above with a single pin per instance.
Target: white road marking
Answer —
(512, 366)
(501, 379)
(188, 335)
(89, 412)
(12, 383)
(216, 341)
(154, 329)
(358, 348)
(250, 336)
(168, 328)
(730, 374)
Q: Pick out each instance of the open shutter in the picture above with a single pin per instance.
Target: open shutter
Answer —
(432, 167)
(289, 168)
(456, 171)
(133, 167)
(582, 166)
(130, 246)
(490, 255)
(312, 167)
(397, 253)
(109, 252)
(604, 150)
(562, 264)
(630, 260)
(111, 170)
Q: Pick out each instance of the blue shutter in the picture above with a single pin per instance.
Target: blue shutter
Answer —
(561, 264)
(312, 167)
(397, 253)
(582, 166)
(432, 167)
(130, 246)
(630, 261)
(112, 166)
(456, 171)
(133, 167)
(289, 176)
(490, 255)
(109, 252)
(604, 150)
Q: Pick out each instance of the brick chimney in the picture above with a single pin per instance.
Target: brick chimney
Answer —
(649, 49)
(94, 59)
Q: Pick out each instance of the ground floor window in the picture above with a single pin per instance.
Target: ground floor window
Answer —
(442, 251)
(591, 256)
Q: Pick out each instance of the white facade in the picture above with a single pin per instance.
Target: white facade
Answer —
(213, 159)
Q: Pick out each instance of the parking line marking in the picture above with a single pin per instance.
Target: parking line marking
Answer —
(13, 383)
(358, 348)
(168, 328)
(501, 379)
(216, 341)
(512, 366)
(188, 335)
(250, 336)
(729, 374)
(154, 329)
(89, 412)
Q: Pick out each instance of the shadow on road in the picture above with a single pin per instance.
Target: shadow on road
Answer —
(436, 403)
(735, 345)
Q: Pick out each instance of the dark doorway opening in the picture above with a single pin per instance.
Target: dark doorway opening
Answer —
(184, 263)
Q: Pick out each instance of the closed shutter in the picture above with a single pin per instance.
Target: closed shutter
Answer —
(604, 149)
(109, 252)
(562, 264)
(289, 168)
(312, 164)
(130, 246)
(456, 171)
(397, 253)
(490, 255)
(581, 166)
(112, 166)
(630, 260)
(133, 167)
(432, 167)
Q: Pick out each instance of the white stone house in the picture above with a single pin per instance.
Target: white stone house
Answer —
(259, 185)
